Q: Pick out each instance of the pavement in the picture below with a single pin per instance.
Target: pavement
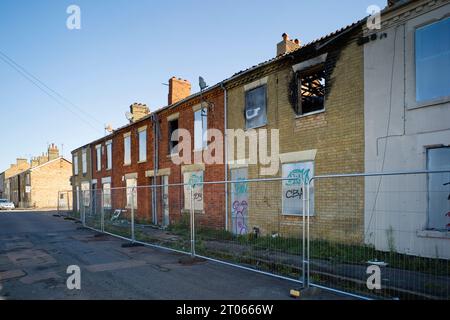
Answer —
(36, 248)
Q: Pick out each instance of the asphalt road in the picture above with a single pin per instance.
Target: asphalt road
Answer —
(36, 248)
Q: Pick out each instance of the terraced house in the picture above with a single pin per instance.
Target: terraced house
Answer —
(131, 168)
(310, 98)
(311, 93)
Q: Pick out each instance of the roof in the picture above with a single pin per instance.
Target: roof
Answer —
(39, 166)
(322, 41)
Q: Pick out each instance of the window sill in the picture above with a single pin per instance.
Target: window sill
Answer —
(127, 164)
(433, 234)
(309, 114)
(188, 211)
(142, 161)
(258, 127)
(428, 103)
(297, 215)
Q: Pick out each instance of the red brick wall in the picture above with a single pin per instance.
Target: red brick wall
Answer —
(214, 196)
(214, 202)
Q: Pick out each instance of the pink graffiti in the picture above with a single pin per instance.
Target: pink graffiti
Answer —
(240, 208)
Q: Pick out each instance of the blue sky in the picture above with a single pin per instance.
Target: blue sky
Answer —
(126, 49)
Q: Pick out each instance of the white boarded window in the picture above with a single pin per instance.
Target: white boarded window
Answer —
(86, 193)
(200, 129)
(108, 155)
(193, 180)
(299, 175)
(143, 145)
(84, 161)
(127, 150)
(75, 164)
(107, 195)
(98, 153)
(131, 192)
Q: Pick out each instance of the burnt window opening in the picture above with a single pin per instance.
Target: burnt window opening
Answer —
(173, 138)
(307, 93)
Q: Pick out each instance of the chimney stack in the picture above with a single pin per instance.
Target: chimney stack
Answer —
(20, 161)
(287, 45)
(178, 90)
(53, 152)
(139, 110)
(34, 162)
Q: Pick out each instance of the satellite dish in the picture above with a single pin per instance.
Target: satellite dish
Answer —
(129, 116)
(109, 128)
(202, 83)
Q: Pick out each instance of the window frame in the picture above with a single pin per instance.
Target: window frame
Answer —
(312, 202)
(108, 145)
(105, 205)
(75, 165)
(98, 157)
(427, 226)
(410, 58)
(246, 92)
(127, 149)
(430, 100)
(204, 129)
(142, 134)
(299, 75)
(172, 144)
(84, 161)
(128, 199)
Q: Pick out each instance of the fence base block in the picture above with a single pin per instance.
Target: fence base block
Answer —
(131, 245)
(304, 292)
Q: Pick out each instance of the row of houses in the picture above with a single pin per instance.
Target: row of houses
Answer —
(34, 184)
(360, 99)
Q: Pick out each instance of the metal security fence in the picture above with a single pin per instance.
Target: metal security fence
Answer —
(368, 235)
(395, 223)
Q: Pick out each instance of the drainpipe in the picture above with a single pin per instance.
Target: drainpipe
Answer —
(155, 166)
(225, 153)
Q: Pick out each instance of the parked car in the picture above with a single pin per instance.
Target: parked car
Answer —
(5, 204)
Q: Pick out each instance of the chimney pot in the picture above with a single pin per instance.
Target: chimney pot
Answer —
(287, 45)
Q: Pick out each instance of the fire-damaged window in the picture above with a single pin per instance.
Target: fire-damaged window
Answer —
(255, 107)
(308, 90)
(173, 138)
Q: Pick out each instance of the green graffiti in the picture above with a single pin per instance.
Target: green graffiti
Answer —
(241, 187)
(298, 176)
(195, 179)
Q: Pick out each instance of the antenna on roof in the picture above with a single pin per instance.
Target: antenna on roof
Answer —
(202, 83)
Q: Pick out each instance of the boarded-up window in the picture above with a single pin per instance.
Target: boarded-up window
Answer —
(439, 189)
(255, 107)
(297, 176)
(193, 180)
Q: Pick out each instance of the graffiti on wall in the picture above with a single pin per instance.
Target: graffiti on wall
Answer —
(193, 180)
(239, 201)
(299, 174)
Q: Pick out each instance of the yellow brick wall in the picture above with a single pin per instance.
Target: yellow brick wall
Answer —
(338, 136)
(47, 180)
